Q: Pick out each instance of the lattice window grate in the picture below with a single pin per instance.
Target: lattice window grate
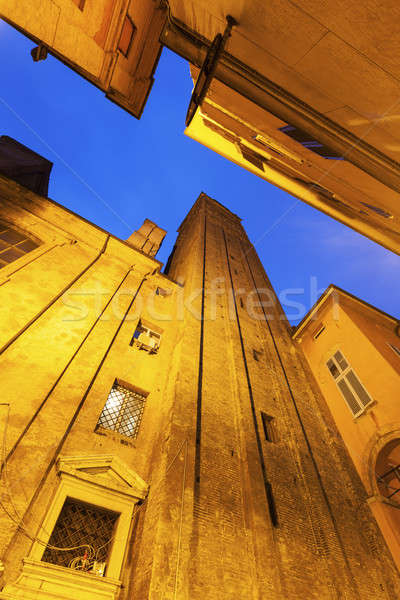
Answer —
(13, 244)
(123, 411)
(80, 524)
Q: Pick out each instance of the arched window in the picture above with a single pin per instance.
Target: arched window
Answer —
(388, 471)
(13, 244)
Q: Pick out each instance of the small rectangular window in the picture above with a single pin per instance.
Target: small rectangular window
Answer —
(252, 157)
(395, 349)
(320, 329)
(308, 142)
(146, 338)
(351, 388)
(162, 292)
(88, 530)
(13, 244)
(80, 3)
(123, 411)
(127, 35)
(268, 143)
(257, 355)
(269, 427)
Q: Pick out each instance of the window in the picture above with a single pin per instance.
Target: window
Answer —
(92, 502)
(379, 211)
(348, 383)
(145, 338)
(253, 157)
(13, 244)
(87, 528)
(315, 187)
(269, 427)
(269, 143)
(162, 292)
(80, 3)
(123, 411)
(256, 354)
(127, 35)
(320, 329)
(308, 142)
(395, 349)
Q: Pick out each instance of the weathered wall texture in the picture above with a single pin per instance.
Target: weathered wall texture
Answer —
(229, 514)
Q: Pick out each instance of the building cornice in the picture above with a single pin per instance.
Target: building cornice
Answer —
(330, 291)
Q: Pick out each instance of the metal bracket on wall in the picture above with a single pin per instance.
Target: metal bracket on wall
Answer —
(208, 69)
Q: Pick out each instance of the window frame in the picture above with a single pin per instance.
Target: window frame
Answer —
(394, 348)
(310, 143)
(134, 31)
(80, 4)
(4, 226)
(121, 411)
(152, 333)
(268, 423)
(343, 373)
(252, 156)
(81, 479)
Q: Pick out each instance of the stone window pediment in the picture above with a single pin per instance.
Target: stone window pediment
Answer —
(102, 481)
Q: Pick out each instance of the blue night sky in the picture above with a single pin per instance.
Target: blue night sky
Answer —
(115, 171)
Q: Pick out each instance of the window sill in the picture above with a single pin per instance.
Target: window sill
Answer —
(115, 436)
(44, 581)
(365, 411)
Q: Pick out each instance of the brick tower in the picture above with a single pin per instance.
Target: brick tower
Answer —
(271, 505)
(163, 436)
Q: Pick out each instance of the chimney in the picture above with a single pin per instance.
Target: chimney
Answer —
(24, 166)
(148, 238)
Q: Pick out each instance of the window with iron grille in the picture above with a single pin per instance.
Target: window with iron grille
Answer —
(351, 388)
(87, 530)
(123, 411)
(13, 244)
(308, 142)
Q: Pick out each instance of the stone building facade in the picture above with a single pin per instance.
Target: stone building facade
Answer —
(163, 426)
(114, 44)
(353, 350)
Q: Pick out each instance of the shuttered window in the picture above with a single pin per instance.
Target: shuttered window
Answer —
(353, 391)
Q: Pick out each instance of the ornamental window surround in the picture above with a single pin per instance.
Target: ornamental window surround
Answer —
(106, 487)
